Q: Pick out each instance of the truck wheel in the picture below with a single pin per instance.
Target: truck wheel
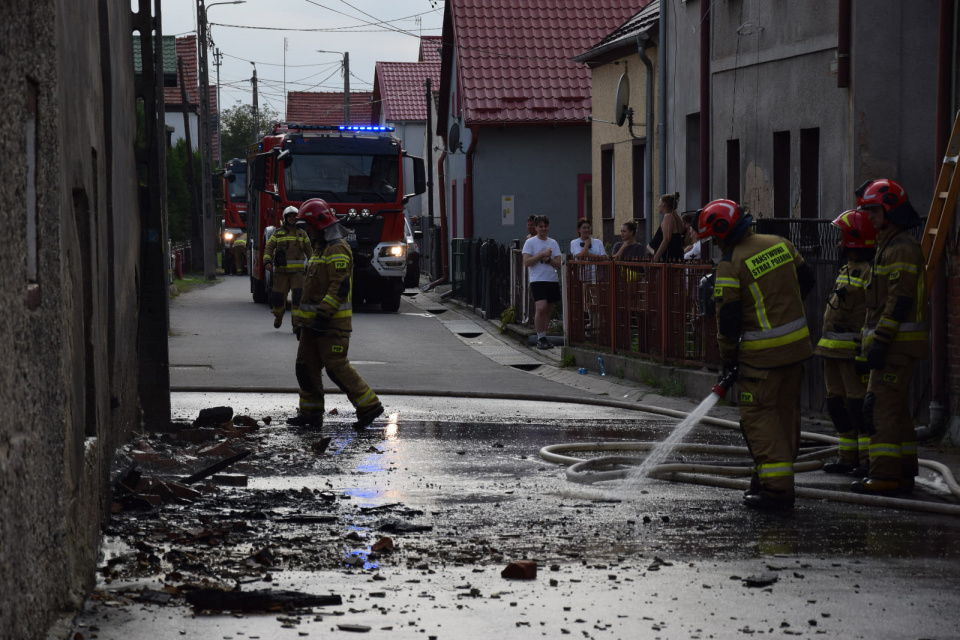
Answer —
(259, 291)
(390, 302)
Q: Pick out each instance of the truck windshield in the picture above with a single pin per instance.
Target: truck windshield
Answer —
(238, 188)
(343, 178)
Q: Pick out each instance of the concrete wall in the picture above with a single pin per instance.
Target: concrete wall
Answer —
(604, 82)
(683, 97)
(539, 167)
(69, 388)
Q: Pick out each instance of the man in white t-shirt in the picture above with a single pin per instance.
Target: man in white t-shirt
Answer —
(541, 255)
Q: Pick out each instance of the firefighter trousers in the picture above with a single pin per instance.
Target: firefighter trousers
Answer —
(770, 419)
(845, 393)
(893, 448)
(282, 283)
(328, 350)
(240, 260)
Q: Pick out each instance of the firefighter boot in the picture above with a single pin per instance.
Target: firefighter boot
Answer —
(767, 502)
(366, 418)
(306, 420)
(277, 321)
(842, 422)
(876, 487)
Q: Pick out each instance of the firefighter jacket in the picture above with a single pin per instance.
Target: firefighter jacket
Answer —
(327, 299)
(760, 318)
(287, 249)
(240, 240)
(894, 296)
(844, 316)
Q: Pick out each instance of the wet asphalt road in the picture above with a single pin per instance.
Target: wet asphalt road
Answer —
(666, 560)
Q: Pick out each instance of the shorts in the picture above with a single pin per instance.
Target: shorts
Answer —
(549, 291)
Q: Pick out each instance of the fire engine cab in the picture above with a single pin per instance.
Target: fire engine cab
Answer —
(234, 208)
(359, 171)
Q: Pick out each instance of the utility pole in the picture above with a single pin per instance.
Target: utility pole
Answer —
(427, 229)
(196, 215)
(206, 149)
(284, 78)
(218, 60)
(256, 112)
(346, 88)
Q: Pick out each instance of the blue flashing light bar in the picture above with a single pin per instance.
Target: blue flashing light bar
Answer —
(328, 127)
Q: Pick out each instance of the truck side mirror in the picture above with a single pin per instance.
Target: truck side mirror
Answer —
(285, 157)
(229, 176)
(258, 175)
(419, 178)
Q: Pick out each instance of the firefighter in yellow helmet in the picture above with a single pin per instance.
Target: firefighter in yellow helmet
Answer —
(285, 253)
(840, 343)
(895, 336)
(325, 322)
(762, 331)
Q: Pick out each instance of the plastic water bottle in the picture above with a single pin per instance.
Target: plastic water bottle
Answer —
(600, 368)
(582, 371)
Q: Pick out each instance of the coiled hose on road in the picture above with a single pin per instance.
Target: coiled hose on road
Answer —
(676, 472)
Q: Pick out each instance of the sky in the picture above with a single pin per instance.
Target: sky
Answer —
(306, 69)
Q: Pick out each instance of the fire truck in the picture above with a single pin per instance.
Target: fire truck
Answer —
(359, 171)
(234, 208)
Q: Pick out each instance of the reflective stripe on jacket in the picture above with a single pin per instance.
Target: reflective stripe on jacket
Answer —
(328, 288)
(895, 288)
(844, 315)
(295, 244)
(240, 241)
(760, 274)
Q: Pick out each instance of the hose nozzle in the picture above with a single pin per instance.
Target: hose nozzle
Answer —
(726, 382)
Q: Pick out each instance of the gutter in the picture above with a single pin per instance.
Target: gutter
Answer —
(662, 82)
(642, 40)
(704, 104)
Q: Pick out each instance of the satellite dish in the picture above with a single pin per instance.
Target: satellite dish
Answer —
(453, 138)
(622, 101)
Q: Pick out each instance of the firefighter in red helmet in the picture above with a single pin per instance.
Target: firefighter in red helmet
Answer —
(895, 336)
(762, 331)
(325, 322)
(840, 343)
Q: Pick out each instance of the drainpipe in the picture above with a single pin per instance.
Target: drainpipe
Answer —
(938, 296)
(444, 250)
(642, 40)
(705, 7)
(843, 44)
(662, 82)
(468, 184)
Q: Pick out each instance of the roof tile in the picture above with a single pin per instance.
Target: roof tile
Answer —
(326, 108)
(402, 91)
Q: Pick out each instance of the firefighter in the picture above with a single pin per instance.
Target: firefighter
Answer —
(894, 338)
(325, 322)
(840, 343)
(285, 252)
(762, 331)
(240, 254)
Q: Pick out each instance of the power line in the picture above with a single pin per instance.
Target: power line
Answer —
(369, 24)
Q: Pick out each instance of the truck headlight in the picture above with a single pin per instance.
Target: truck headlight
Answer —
(227, 236)
(393, 251)
(365, 213)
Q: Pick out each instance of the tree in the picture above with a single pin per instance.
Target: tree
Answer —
(180, 207)
(236, 129)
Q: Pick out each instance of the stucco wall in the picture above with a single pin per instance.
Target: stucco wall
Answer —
(683, 94)
(70, 385)
(538, 166)
(605, 79)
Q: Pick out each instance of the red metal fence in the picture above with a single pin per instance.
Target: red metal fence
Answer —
(643, 308)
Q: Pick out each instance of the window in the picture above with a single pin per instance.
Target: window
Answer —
(781, 174)
(733, 170)
(810, 173)
(606, 189)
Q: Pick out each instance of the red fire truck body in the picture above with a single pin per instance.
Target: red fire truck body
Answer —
(234, 208)
(359, 172)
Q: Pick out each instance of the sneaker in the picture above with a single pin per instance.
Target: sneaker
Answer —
(366, 419)
(277, 321)
(301, 420)
(544, 344)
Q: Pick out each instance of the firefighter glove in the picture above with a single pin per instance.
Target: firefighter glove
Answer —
(268, 266)
(877, 356)
(726, 368)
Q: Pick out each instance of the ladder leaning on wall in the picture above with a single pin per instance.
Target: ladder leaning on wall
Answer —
(942, 208)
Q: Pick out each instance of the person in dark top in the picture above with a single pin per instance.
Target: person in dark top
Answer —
(671, 228)
(628, 248)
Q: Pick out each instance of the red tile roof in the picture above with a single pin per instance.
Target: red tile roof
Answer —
(515, 57)
(306, 107)
(186, 49)
(399, 86)
(430, 49)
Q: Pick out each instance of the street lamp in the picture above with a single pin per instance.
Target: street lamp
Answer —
(346, 82)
